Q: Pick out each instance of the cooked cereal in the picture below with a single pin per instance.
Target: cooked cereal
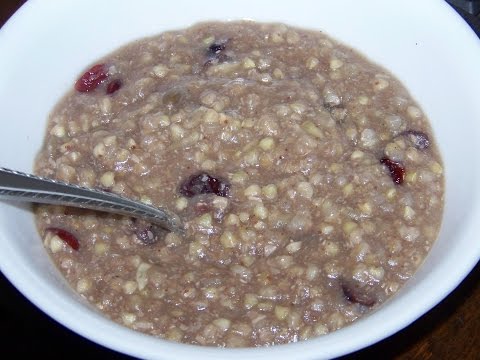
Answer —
(308, 178)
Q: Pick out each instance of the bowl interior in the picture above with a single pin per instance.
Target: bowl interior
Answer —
(41, 58)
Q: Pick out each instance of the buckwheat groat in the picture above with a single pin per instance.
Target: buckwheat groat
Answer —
(308, 179)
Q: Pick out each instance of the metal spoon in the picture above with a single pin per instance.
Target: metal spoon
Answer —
(18, 186)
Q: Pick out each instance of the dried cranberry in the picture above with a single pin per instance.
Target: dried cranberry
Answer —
(204, 183)
(92, 78)
(418, 138)
(397, 171)
(355, 294)
(70, 239)
(113, 86)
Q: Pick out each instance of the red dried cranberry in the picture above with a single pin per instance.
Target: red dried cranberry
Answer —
(418, 138)
(355, 294)
(397, 171)
(204, 183)
(70, 239)
(92, 78)
(113, 86)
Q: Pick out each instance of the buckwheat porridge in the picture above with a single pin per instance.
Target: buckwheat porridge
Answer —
(308, 180)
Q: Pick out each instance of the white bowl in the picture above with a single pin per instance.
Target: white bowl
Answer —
(424, 43)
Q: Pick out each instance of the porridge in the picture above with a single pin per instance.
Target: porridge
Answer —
(308, 180)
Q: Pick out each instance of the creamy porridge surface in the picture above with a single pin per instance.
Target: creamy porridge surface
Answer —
(308, 178)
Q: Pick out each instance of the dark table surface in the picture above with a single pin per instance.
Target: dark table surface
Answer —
(450, 331)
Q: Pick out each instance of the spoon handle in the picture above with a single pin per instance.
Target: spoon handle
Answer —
(18, 186)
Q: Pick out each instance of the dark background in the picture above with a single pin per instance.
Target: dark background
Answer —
(450, 331)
